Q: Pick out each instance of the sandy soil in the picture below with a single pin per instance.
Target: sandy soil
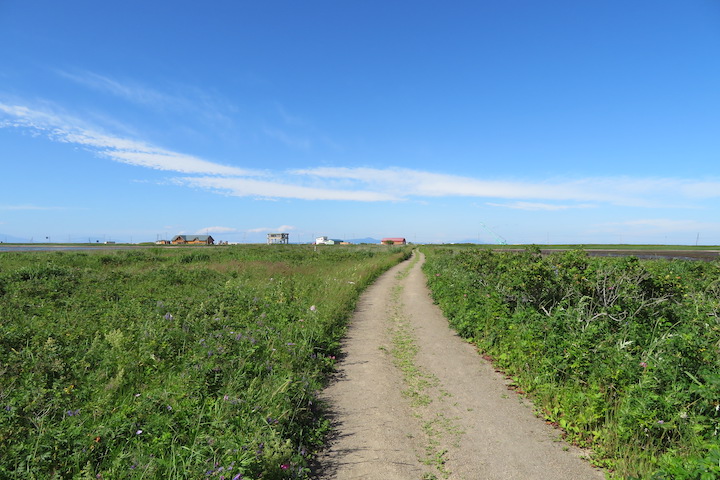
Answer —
(412, 400)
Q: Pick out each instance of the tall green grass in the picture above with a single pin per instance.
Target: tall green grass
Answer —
(622, 353)
(172, 363)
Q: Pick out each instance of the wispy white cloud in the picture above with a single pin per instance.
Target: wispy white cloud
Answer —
(207, 230)
(289, 118)
(131, 91)
(361, 184)
(625, 191)
(249, 187)
(281, 228)
(293, 141)
(62, 128)
(407, 182)
(533, 206)
(28, 207)
(185, 100)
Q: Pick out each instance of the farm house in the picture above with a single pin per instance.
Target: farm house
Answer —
(193, 240)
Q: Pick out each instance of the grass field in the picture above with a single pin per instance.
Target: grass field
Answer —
(622, 246)
(172, 362)
(205, 363)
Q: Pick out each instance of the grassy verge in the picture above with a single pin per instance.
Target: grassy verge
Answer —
(172, 363)
(621, 353)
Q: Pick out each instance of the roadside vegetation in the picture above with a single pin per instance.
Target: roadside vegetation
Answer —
(621, 353)
(182, 363)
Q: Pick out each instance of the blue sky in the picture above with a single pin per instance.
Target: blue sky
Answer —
(547, 122)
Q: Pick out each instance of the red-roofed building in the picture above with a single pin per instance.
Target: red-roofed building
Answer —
(393, 241)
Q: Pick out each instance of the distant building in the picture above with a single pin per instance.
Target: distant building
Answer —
(193, 240)
(162, 242)
(393, 241)
(278, 238)
(330, 241)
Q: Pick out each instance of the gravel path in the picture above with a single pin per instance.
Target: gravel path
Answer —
(411, 400)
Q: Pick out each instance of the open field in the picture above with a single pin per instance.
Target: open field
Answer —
(685, 252)
(203, 362)
(621, 353)
(172, 363)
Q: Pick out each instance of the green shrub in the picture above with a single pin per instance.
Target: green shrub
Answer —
(619, 352)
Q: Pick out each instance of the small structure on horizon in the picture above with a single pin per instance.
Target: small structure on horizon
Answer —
(330, 241)
(193, 240)
(278, 238)
(393, 241)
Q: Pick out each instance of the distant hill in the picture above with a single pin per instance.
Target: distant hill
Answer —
(363, 240)
(4, 238)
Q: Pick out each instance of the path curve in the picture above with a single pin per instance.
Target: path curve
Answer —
(412, 400)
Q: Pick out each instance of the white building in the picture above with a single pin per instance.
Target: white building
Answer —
(329, 241)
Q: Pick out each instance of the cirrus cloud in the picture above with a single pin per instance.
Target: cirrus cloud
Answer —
(281, 228)
(534, 206)
(360, 184)
(208, 230)
(66, 129)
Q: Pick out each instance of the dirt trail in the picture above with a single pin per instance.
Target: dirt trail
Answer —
(412, 400)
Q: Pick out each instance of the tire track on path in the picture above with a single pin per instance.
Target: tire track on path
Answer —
(412, 400)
